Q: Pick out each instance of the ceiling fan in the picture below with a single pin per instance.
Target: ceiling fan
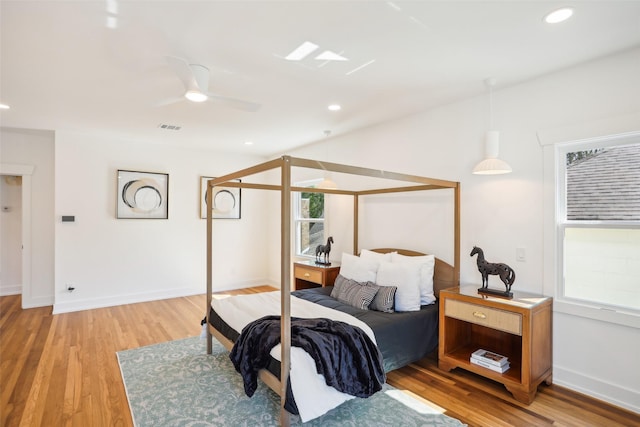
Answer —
(195, 78)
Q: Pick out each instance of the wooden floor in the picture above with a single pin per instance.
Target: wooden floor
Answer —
(62, 370)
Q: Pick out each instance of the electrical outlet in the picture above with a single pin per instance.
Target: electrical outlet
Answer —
(520, 255)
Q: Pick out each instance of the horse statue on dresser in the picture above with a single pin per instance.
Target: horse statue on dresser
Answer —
(322, 251)
(506, 273)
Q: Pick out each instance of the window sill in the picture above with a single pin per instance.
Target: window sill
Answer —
(603, 314)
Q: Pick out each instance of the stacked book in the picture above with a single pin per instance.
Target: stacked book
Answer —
(494, 361)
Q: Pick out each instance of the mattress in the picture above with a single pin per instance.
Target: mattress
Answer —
(395, 333)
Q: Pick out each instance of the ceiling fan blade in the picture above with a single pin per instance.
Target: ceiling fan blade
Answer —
(184, 72)
(169, 101)
(238, 104)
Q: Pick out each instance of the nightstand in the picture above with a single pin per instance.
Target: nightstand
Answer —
(519, 328)
(308, 274)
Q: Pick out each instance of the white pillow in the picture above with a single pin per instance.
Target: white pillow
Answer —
(406, 277)
(427, 262)
(375, 256)
(358, 269)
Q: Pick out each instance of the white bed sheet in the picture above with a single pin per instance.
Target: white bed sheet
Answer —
(313, 397)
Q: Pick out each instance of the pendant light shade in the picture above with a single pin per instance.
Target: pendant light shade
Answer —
(492, 165)
(327, 183)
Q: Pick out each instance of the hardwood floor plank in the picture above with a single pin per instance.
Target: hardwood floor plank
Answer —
(62, 370)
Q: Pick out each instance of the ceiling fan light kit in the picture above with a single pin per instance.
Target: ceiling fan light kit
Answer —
(195, 96)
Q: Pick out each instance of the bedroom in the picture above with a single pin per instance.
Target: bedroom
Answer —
(556, 105)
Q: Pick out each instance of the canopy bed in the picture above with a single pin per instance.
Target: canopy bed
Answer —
(374, 324)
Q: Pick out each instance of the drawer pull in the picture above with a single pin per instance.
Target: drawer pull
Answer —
(479, 315)
(307, 275)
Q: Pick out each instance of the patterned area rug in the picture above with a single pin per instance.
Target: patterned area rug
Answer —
(178, 384)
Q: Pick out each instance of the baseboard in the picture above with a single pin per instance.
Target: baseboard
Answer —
(240, 285)
(596, 388)
(89, 304)
(10, 290)
(110, 301)
(34, 302)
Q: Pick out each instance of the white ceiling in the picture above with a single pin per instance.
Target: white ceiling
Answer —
(63, 68)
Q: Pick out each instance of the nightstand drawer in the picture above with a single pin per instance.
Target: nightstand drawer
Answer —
(485, 316)
(308, 274)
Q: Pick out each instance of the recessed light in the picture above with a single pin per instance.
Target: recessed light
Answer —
(248, 143)
(334, 107)
(558, 15)
(301, 51)
(4, 107)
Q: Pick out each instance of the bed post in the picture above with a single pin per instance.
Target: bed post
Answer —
(209, 266)
(356, 199)
(456, 234)
(285, 287)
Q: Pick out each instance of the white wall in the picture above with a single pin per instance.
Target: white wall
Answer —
(505, 212)
(35, 149)
(10, 235)
(113, 261)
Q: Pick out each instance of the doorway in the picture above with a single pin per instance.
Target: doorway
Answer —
(10, 235)
(25, 173)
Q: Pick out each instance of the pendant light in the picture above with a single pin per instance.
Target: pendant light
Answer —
(491, 165)
(327, 183)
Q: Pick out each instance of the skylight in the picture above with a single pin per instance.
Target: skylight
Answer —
(306, 48)
(327, 55)
(301, 51)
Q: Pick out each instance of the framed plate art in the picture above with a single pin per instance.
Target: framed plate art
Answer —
(226, 200)
(142, 195)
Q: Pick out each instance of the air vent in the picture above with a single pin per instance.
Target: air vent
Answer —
(169, 127)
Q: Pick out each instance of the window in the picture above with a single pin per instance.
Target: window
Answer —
(599, 224)
(309, 222)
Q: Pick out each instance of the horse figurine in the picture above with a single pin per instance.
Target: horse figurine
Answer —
(323, 250)
(506, 273)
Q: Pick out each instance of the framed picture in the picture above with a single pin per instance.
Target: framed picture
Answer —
(226, 200)
(142, 195)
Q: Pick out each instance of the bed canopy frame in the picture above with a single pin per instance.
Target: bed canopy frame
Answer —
(285, 164)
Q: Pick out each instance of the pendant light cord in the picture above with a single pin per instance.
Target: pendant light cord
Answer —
(489, 83)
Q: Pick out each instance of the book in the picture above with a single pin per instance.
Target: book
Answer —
(499, 369)
(490, 357)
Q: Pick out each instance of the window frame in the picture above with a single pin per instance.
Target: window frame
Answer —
(297, 218)
(568, 304)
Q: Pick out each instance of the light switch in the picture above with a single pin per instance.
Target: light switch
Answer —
(520, 255)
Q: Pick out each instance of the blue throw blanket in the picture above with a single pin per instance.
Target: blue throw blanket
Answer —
(346, 357)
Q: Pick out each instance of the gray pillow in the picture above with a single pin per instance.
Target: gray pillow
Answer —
(385, 296)
(353, 293)
(338, 285)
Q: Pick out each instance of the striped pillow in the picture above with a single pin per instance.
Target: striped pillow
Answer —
(353, 293)
(384, 299)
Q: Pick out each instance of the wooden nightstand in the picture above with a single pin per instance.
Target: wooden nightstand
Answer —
(519, 328)
(308, 274)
